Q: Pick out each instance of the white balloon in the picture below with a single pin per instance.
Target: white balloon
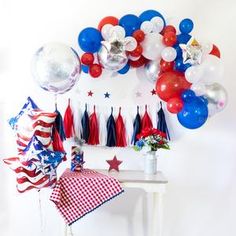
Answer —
(106, 31)
(118, 31)
(193, 74)
(152, 46)
(146, 27)
(212, 69)
(168, 54)
(199, 88)
(133, 58)
(130, 43)
(158, 24)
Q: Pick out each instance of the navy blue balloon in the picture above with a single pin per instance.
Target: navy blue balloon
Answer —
(204, 99)
(188, 95)
(180, 66)
(130, 23)
(85, 69)
(178, 51)
(124, 70)
(183, 38)
(186, 26)
(90, 40)
(149, 14)
(194, 113)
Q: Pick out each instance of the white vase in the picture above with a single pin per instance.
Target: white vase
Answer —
(150, 163)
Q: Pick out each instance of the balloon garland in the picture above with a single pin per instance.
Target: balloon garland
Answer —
(185, 71)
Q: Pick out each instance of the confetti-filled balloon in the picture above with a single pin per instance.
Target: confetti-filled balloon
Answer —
(56, 67)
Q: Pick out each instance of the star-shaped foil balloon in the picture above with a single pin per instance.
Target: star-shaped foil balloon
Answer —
(192, 52)
(114, 164)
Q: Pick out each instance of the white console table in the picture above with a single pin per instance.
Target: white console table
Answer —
(152, 184)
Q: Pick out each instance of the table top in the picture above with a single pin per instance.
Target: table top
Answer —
(134, 176)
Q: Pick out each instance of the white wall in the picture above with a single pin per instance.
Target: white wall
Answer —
(201, 165)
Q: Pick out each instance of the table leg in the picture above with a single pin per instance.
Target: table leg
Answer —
(157, 215)
(66, 229)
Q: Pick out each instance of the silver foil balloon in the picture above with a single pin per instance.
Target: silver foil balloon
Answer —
(56, 67)
(152, 70)
(217, 98)
(112, 55)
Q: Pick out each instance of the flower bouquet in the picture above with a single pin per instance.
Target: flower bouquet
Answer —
(151, 140)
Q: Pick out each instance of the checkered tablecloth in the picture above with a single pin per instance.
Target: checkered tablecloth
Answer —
(78, 193)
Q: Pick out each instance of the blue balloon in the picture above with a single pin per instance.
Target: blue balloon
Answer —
(180, 66)
(178, 51)
(90, 40)
(183, 38)
(194, 113)
(124, 70)
(204, 99)
(186, 26)
(130, 23)
(149, 14)
(187, 95)
(85, 69)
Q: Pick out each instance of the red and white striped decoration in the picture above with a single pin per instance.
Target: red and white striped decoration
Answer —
(37, 123)
(30, 176)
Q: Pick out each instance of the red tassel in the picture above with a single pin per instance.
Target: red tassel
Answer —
(94, 129)
(146, 122)
(120, 131)
(57, 144)
(69, 122)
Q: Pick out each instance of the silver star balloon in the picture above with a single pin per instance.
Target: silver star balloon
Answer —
(192, 52)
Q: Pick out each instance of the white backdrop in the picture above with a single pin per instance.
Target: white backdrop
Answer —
(201, 165)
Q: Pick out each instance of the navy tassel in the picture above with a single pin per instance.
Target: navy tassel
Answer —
(161, 124)
(111, 131)
(59, 124)
(136, 126)
(85, 125)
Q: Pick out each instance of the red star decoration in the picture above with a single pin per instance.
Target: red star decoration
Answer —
(90, 93)
(114, 164)
(153, 92)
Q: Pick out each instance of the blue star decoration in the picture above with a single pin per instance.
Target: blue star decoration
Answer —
(153, 92)
(107, 95)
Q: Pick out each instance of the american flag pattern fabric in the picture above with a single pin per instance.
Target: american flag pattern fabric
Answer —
(79, 193)
(35, 167)
(38, 123)
(28, 106)
(77, 158)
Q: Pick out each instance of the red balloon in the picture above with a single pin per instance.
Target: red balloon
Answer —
(137, 52)
(215, 51)
(108, 20)
(95, 70)
(169, 38)
(169, 28)
(139, 35)
(87, 58)
(175, 105)
(171, 84)
(166, 66)
(140, 62)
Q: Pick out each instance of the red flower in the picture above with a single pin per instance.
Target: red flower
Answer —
(148, 132)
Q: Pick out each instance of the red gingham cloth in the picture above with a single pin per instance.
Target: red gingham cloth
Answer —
(78, 193)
